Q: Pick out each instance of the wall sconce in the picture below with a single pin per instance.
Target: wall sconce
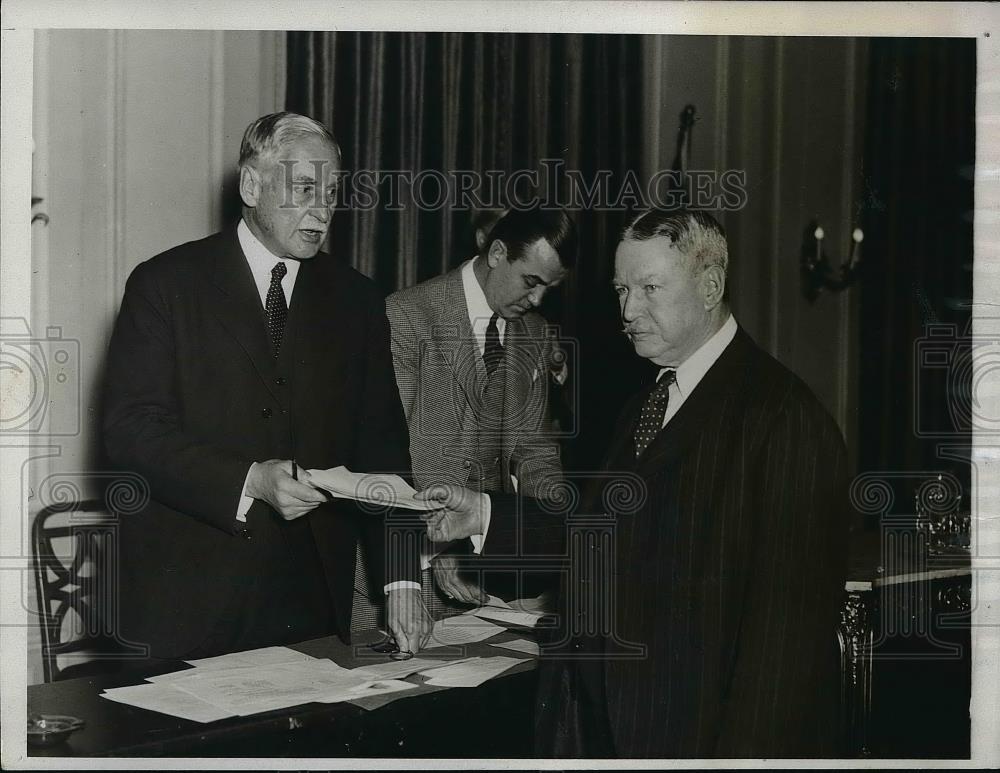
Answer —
(817, 272)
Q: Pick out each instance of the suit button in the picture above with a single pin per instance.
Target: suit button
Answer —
(245, 533)
(266, 413)
(280, 381)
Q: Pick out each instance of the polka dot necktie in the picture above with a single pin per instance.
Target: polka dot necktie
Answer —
(493, 353)
(276, 307)
(653, 411)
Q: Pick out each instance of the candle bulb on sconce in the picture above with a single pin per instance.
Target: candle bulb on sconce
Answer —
(817, 273)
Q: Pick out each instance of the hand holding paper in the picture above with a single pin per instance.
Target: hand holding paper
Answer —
(459, 512)
(372, 488)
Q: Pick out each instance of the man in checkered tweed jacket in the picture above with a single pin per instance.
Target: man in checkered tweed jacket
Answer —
(472, 361)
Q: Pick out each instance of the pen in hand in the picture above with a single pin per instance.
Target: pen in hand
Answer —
(295, 470)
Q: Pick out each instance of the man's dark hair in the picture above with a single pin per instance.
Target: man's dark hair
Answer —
(520, 228)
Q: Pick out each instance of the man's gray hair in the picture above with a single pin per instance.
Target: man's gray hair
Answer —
(696, 235)
(268, 134)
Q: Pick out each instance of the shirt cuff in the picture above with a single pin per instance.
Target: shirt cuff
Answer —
(245, 502)
(479, 540)
(401, 585)
(428, 552)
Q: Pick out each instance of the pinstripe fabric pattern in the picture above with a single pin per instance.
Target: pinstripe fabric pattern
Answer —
(731, 574)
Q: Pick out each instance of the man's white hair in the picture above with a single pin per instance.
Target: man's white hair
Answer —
(696, 235)
(266, 136)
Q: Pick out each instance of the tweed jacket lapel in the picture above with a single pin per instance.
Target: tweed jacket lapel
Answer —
(521, 369)
(453, 333)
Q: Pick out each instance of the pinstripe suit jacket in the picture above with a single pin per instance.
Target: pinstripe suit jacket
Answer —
(723, 577)
(441, 378)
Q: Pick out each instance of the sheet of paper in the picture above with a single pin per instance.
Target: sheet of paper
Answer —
(518, 645)
(461, 629)
(496, 601)
(251, 691)
(379, 687)
(259, 657)
(472, 673)
(373, 488)
(399, 669)
(538, 604)
(507, 616)
(167, 699)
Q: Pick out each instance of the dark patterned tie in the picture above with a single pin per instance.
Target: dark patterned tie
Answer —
(276, 307)
(493, 353)
(653, 411)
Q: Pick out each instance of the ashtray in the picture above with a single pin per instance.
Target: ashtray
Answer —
(51, 729)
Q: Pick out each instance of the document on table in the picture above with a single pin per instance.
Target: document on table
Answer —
(470, 673)
(402, 668)
(508, 616)
(461, 629)
(167, 699)
(518, 645)
(372, 488)
(265, 656)
(498, 609)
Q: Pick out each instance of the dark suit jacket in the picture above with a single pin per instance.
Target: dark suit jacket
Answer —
(723, 571)
(194, 395)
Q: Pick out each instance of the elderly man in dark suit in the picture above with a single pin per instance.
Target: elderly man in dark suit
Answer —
(237, 362)
(699, 619)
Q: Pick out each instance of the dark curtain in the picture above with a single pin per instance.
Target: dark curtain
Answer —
(917, 286)
(419, 102)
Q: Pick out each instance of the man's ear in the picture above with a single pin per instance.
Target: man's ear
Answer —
(498, 252)
(250, 185)
(713, 285)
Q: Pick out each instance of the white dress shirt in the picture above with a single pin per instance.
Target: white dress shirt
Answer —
(693, 369)
(479, 309)
(262, 261)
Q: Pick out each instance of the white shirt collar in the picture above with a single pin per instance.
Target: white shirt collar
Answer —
(479, 308)
(694, 368)
(261, 260)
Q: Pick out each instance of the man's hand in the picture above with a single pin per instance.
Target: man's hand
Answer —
(461, 512)
(448, 579)
(408, 619)
(272, 481)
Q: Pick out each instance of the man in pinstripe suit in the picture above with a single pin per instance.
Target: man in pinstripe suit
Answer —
(472, 363)
(725, 571)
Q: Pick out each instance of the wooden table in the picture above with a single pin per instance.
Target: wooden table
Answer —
(492, 720)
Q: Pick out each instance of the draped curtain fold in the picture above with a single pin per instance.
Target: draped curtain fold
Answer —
(420, 102)
(919, 159)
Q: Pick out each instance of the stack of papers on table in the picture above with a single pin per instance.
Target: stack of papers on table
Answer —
(469, 673)
(251, 682)
(371, 488)
(519, 645)
(461, 629)
(498, 609)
